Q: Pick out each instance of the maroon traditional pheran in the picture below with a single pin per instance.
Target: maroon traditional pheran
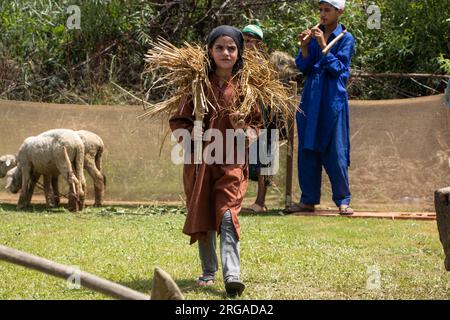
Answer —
(217, 187)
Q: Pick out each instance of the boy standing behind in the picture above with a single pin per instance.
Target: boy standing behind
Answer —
(323, 128)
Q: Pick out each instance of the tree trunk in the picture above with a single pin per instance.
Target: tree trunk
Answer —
(442, 206)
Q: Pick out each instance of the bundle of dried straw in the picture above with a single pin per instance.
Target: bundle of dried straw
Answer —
(184, 70)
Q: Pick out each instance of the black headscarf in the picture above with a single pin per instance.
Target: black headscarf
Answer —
(234, 34)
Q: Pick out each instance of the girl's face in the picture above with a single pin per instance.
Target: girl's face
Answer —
(225, 53)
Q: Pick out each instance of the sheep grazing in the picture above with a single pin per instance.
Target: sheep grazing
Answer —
(93, 150)
(54, 152)
(7, 162)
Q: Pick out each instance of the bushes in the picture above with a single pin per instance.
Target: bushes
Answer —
(412, 38)
(53, 63)
(53, 59)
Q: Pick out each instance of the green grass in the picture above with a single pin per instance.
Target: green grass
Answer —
(283, 257)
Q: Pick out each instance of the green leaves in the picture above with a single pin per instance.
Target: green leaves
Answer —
(34, 35)
(58, 30)
(444, 63)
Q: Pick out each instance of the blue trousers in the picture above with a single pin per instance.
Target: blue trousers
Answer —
(335, 160)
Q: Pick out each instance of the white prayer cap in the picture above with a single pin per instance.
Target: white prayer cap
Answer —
(338, 4)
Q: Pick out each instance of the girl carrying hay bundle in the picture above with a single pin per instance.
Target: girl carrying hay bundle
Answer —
(213, 92)
(214, 192)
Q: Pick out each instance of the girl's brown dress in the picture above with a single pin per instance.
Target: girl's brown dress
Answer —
(217, 187)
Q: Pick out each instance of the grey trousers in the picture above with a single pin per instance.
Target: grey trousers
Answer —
(229, 251)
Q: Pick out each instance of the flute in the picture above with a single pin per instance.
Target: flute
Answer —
(308, 35)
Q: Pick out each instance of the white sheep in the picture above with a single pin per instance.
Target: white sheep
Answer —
(93, 150)
(54, 152)
(7, 162)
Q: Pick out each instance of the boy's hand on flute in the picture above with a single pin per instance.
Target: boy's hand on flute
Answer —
(237, 120)
(317, 33)
(304, 38)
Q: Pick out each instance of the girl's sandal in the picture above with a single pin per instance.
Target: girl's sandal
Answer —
(345, 210)
(205, 281)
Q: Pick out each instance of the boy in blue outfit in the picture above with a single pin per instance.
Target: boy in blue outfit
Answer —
(323, 127)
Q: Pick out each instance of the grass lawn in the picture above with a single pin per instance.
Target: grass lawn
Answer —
(283, 257)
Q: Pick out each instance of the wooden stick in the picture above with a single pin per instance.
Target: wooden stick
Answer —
(199, 114)
(333, 42)
(132, 95)
(58, 270)
(290, 152)
(399, 75)
(441, 204)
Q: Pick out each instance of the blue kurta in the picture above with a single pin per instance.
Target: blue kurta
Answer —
(323, 127)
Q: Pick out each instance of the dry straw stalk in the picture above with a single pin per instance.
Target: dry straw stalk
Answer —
(175, 70)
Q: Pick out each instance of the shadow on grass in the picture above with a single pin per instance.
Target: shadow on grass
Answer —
(140, 210)
(34, 208)
(106, 211)
(185, 285)
(126, 210)
(268, 213)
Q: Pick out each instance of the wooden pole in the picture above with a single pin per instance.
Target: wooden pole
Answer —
(442, 206)
(62, 271)
(333, 42)
(290, 150)
(199, 114)
(360, 74)
(448, 122)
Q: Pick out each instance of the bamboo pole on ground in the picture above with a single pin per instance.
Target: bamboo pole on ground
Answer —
(163, 285)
